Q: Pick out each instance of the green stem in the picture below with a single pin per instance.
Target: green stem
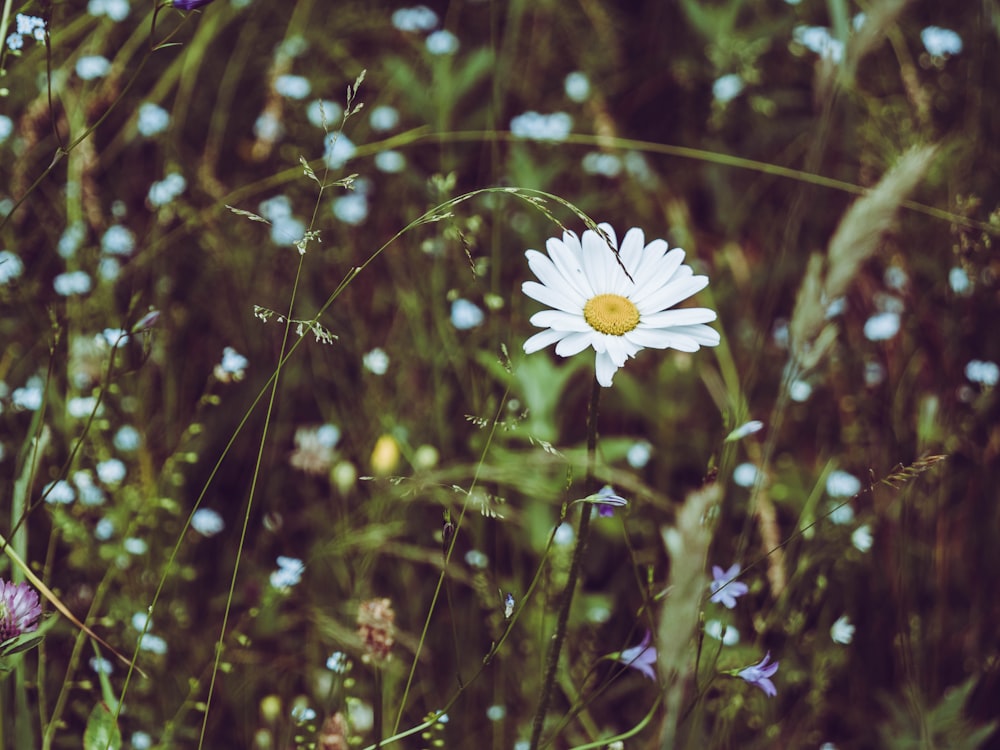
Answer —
(555, 646)
(379, 706)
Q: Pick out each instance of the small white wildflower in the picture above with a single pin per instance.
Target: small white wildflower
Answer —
(577, 86)
(90, 493)
(535, 126)
(862, 538)
(819, 40)
(141, 621)
(419, 18)
(81, 407)
(442, 42)
(233, 366)
(73, 282)
(496, 713)
(207, 522)
(842, 631)
(351, 208)
(745, 475)
(154, 644)
(113, 336)
(135, 546)
(959, 281)
(476, 559)
(564, 535)
(390, 162)
(842, 484)
(104, 530)
(90, 67)
(605, 165)
(337, 662)
(940, 42)
(322, 111)
(59, 492)
(729, 635)
(111, 471)
(29, 397)
(314, 452)
(152, 119)
(302, 713)
(639, 454)
(11, 266)
(338, 148)
(985, 373)
(727, 88)
(874, 374)
(127, 438)
(289, 572)
(466, 315)
(267, 127)
(384, 118)
(800, 391)
(292, 86)
(376, 361)
(842, 514)
(882, 326)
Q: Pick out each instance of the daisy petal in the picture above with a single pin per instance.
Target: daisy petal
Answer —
(543, 339)
(704, 335)
(560, 320)
(676, 291)
(546, 272)
(663, 338)
(655, 270)
(617, 349)
(600, 263)
(569, 264)
(574, 343)
(553, 297)
(682, 317)
(605, 370)
(631, 252)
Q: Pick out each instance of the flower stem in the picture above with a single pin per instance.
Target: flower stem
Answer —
(566, 602)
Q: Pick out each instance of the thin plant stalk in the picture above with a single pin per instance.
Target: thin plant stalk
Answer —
(583, 531)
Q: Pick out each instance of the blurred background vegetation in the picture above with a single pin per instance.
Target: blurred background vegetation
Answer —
(639, 114)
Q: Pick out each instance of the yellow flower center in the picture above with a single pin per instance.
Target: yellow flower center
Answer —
(611, 313)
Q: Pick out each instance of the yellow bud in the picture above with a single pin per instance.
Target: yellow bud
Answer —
(385, 455)
(270, 708)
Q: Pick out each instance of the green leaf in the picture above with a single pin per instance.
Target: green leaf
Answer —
(23, 642)
(102, 731)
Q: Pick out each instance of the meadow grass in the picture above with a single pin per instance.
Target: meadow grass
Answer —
(276, 462)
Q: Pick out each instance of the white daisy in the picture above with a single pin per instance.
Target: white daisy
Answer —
(597, 305)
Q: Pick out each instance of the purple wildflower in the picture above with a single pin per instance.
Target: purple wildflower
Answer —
(19, 610)
(190, 4)
(760, 675)
(641, 657)
(725, 588)
(606, 500)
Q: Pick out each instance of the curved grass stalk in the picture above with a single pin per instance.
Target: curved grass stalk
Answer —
(423, 134)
